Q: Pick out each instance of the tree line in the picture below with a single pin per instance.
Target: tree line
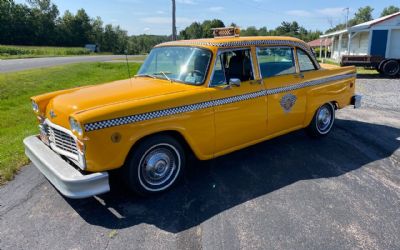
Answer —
(199, 30)
(38, 22)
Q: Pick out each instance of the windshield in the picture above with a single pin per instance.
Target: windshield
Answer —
(183, 64)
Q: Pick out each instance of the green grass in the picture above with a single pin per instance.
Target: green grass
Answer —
(14, 51)
(17, 119)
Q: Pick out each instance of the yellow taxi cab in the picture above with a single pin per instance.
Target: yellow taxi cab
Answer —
(208, 97)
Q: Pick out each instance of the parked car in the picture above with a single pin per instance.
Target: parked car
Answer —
(208, 97)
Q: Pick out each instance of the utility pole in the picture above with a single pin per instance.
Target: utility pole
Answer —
(347, 17)
(348, 31)
(173, 21)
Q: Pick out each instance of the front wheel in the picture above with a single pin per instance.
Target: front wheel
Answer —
(322, 121)
(154, 165)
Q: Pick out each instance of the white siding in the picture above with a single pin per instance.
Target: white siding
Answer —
(359, 44)
(394, 44)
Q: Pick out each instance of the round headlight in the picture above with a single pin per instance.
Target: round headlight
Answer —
(75, 126)
(35, 107)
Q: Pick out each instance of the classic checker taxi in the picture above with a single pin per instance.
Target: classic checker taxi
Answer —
(208, 97)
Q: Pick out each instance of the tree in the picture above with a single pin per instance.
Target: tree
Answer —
(193, 31)
(364, 14)
(43, 16)
(389, 10)
(208, 25)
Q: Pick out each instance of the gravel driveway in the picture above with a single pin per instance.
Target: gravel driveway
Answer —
(293, 192)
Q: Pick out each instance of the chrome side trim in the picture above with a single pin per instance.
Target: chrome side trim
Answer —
(213, 103)
(69, 181)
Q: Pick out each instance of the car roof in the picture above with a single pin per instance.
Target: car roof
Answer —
(238, 41)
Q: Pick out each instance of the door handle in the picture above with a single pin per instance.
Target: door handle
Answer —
(301, 76)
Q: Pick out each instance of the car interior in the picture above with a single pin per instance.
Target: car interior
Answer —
(233, 64)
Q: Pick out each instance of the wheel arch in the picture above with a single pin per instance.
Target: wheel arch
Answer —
(310, 113)
(178, 135)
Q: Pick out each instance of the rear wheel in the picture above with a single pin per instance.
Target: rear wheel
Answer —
(322, 121)
(391, 68)
(155, 165)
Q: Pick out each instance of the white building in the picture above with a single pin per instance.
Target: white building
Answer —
(379, 37)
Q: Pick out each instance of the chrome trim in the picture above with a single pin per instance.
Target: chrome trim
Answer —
(174, 176)
(68, 180)
(78, 158)
(208, 104)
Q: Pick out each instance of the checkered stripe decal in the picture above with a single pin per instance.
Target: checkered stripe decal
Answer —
(245, 43)
(203, 105)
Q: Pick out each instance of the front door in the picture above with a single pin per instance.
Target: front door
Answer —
(240, 111)
(378, 42)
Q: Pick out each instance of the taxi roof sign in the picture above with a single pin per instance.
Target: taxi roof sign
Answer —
(226, 32)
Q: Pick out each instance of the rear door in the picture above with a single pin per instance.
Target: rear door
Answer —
(286, 105)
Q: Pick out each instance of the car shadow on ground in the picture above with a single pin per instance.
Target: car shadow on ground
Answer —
(211, 187)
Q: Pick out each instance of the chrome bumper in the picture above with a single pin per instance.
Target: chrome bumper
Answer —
(356, 101)
(69, 181)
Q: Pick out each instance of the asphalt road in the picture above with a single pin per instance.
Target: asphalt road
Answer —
(31, 63)
(293, 192)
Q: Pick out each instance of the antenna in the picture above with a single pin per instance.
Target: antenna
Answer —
(127, 64)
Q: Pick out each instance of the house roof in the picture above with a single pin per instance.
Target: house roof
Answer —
(334, 33)
(318, 42)
(362, 26)
(368, 24)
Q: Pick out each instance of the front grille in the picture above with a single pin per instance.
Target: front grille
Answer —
(62, 140)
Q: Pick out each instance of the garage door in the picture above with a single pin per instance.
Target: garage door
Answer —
(394, 47)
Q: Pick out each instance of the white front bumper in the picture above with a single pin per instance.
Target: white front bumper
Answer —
(68, 180)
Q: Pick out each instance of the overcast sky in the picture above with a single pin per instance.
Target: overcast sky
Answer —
(154, 16)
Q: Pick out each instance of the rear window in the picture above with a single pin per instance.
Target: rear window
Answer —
(305, 62)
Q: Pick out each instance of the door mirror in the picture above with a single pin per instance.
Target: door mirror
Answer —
(234, 82)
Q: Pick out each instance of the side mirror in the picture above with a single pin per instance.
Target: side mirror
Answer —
(234, 82)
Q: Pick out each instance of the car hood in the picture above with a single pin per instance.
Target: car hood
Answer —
(97, 96)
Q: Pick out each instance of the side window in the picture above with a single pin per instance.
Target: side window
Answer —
(305, 62)
(219, 73)
(233, 64)
(275, 61)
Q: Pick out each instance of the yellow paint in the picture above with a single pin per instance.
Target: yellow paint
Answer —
(210, 132)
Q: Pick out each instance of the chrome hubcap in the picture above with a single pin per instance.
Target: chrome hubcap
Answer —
(324, 118)
(158, 166)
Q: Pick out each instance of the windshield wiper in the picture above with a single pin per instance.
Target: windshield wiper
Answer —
(145, 75)
(164, 74)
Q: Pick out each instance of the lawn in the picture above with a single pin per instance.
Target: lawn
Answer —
(15, 51)
(16, 116)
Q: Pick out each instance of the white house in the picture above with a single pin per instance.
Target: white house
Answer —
(379, 37)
